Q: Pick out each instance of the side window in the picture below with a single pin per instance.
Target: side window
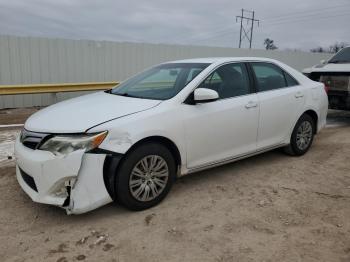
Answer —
(269, 76)
(192, 74)
(228, 80)
(290, 80)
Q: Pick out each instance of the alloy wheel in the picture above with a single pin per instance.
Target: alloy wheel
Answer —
(304, 135)
(148, 178)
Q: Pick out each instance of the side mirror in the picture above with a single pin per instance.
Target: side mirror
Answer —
(205, 95)
(323, 61)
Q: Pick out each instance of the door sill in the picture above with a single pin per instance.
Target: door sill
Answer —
(231, 159)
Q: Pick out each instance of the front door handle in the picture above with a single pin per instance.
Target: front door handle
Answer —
(251, 104)
(299, 95)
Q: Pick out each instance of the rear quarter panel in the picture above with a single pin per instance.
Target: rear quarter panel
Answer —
(317, 101)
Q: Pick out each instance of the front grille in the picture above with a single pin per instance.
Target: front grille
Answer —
(32, 140)
(29, 180)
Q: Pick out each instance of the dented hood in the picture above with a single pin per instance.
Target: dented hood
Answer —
(81, 113)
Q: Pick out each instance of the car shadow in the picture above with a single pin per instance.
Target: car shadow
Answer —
(184, 183)
(338, 118)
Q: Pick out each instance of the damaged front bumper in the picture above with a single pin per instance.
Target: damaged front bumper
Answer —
(74, 181)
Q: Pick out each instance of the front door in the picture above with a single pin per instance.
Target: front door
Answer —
(226, 128)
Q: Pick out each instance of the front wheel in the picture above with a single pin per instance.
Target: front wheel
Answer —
(302, 136)
(145, 176)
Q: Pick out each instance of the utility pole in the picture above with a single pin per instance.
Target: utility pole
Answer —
(240, 31)
(244, 30)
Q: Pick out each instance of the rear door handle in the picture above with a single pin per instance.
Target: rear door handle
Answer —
(299, 95)
(251, 104)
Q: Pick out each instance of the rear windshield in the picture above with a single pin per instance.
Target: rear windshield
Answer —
(161, 82)
(343, 56)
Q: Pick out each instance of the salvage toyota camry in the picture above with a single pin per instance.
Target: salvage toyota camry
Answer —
(129, 144)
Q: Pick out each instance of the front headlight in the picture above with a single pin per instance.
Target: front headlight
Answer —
(65, 144)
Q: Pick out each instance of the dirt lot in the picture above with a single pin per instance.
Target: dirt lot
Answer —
(267, 208)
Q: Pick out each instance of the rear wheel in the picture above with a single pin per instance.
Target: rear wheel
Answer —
(302, 136)
(145, 176)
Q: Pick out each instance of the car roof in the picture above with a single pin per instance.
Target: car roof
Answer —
(212, 60)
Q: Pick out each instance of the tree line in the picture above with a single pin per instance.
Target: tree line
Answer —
(334, 48)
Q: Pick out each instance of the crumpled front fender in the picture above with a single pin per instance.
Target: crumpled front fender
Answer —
(73, 181)
(89, 192)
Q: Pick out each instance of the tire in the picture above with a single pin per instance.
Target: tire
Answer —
(134, 178)
(302, 136)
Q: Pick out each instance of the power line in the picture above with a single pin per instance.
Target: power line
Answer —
(299, 16)
(274, 23)
(213, 34)
(307, 18)
(314, 16)
(244, 29)
(312, 12)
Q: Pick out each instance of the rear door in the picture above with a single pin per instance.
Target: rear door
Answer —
(281, 100)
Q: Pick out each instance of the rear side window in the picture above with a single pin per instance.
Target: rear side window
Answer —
(290, 80)
(269, 76)
(192, 74)
(229, 80)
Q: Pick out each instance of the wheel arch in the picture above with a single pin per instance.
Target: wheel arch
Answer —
(312, 113)
(289, 148)
(161, 140)
(112, 161)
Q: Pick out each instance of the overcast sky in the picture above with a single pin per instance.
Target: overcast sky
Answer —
(295, 24)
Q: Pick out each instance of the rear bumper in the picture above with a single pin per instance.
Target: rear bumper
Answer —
(73, 182)
(339, 99)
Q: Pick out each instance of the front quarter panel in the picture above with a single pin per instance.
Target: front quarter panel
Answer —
(164, 121)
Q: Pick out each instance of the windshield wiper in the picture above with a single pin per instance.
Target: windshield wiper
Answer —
(338, 61)
(124, 94)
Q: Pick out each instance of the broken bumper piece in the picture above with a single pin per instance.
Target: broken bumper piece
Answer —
(73, 182)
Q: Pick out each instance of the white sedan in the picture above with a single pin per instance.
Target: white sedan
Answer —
(130, 143)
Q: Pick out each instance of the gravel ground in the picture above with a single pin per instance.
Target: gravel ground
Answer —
(270, 207)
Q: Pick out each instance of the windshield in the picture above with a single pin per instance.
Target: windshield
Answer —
(343, 56)
(161, 82)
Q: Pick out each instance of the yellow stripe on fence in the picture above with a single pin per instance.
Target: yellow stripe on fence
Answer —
(54, 88)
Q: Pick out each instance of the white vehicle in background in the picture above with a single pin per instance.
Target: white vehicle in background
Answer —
(335, 74)
(129, 144)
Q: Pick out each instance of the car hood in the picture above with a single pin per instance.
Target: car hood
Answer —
(81, 113)
(345, 67)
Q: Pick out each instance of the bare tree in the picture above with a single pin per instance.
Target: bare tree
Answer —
(319, 49)
(269, 45)
(336, 47)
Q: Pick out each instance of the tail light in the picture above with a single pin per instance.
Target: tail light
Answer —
(326, 87)
(326, 80)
